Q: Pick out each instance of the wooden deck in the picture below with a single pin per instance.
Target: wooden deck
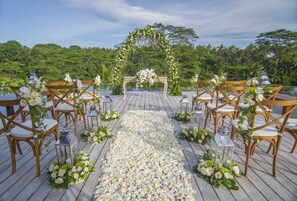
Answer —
(259, 185)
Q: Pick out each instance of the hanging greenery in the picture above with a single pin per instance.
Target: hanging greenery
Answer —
(154, 37)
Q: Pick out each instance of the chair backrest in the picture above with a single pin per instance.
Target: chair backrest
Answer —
(235, 82)
(12, 121)
(271, 91)
(231, 95)
(279, 120)
(5, 118)
(62, 94)
(205, 86)
(86, 86)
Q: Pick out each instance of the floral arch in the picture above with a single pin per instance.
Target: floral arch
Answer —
(155, 37)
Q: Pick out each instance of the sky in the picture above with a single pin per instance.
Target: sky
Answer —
(106, 23)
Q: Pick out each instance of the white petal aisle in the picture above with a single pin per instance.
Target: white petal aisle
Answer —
(145, 161)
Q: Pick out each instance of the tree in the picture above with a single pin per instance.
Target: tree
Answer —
(178, 36)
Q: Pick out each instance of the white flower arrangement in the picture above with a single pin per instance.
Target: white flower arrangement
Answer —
(195, 79)
(33, 98)
(96, 136)
(200, 137)
(97, 80)
(252, 95)
(217, 80)
(145, 161)
(217, 173)
(64, 175)
(145, 77)
(75, 82)
(110, 115)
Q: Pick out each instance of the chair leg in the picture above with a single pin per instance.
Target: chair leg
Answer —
(276, 155)
(12, 153)
(74, 123)
(52, 112)
(19, 148)
(294, 147)
(248, 151)
(206, 118)
(36, 146)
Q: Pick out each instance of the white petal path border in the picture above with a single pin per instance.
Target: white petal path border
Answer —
(145, 161)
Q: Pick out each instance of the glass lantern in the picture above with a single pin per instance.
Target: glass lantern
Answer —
(107, 104)
(264, 80)
(32, 80)
(93, 118)
(222, 145)
(66, 146)
(197, 119)
(184, 104)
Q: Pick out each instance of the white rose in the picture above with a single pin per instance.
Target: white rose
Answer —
(73, 169)
(209, 171)
(203, 170)
(95, 138)
(259, 97)
(218, 175)
(97, 80)
(59, 180)
(33, 102)
(25, 90)
(227, 175)
(86, 169)
(54, 175)
(23, 103)
(51, 167)
(61, 173)
(75, 176)
(236, 170)
(80, 168)
(199, 141)
(250, 101)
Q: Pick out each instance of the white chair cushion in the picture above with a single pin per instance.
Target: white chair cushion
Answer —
(258, 109)
(86, 96)
(20, 132)
(64, 107)
(204, 97)
(267, 131)
(291, 124)
(48, 104)
(226, 108)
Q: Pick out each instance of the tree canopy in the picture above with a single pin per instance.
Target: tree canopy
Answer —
(275, 52)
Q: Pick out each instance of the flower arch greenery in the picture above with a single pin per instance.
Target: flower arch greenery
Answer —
(155, 37)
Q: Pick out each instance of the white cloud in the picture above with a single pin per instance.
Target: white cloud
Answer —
(120, 10)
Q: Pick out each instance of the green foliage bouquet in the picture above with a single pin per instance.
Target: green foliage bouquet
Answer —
(252, 95)
(217, 173)
(64, 175)
(184, 117)
(110, 115)
(192, 135)
(97, 136)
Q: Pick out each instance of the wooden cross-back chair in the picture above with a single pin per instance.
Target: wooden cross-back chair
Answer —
(273, 91)
(27, 132)
(205, 95)
(49, 106)
(227, 108)
(4, 128)
(270, 131)
(65, 101)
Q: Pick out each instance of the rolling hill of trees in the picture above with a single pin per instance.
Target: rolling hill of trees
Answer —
(274, 52)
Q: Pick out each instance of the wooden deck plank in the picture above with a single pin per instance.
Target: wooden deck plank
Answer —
(259, 185)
